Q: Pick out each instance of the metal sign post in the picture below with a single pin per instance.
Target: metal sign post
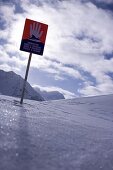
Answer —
(33, 41)
(25, 80)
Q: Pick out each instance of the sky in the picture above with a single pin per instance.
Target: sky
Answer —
(78, 53)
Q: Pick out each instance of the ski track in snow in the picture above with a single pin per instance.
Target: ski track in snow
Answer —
(75, 134)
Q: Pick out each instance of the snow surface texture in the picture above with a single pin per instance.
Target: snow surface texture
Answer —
(74, 134)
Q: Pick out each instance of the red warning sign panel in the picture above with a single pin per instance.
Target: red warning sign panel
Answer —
(34, 36)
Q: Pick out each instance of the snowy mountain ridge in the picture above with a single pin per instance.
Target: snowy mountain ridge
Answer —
(73, 134)
(11, 84)
(50, 95)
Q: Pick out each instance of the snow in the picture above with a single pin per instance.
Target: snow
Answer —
(75, 134)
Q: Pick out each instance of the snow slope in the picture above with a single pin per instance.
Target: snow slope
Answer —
(74, 134)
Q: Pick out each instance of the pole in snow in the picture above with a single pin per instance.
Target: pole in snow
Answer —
(33, 41)
(25, 80)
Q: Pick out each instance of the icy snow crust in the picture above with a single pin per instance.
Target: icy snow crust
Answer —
(72, 134)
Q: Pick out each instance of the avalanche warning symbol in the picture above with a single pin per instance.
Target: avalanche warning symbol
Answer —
(33, 41)
(34, 36)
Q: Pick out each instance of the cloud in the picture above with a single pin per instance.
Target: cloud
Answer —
(100, 89)
(107, 2)
(99, 1)
(78, 37)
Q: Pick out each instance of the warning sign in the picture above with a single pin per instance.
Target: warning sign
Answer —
(34, 36)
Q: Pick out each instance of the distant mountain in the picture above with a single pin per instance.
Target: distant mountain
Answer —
(52, 95)
(11, 84)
